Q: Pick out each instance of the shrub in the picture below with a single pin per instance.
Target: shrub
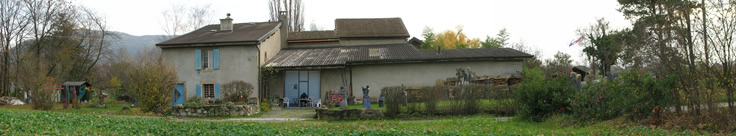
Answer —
(42, 99)
(465, 100)
(540, 97)
(394, 97)
(192, 102)
(152, 84)
(432, 95)
(237, 91)
(265, 106)
(632, 94)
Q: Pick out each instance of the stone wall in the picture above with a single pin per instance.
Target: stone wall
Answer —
(325, 114)
(215, 110)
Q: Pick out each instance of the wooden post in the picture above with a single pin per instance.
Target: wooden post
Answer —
(74, 97)
(65, 92)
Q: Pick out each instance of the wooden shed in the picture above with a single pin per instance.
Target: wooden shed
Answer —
(80, 88)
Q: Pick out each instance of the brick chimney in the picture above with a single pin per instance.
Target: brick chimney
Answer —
(284, 29)
(226, 24)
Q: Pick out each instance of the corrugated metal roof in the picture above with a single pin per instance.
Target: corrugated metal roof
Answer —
(75, 83)
(389, 53)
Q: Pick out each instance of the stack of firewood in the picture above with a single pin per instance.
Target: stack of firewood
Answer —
(5, 100)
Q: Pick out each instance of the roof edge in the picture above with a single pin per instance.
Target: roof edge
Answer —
(269, 33)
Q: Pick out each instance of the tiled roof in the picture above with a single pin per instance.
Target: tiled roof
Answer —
(371, 27)
(312, 35)
(242, 32)
(390, 53)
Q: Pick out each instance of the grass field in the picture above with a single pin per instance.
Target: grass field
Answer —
(113, 108)
(26, 122)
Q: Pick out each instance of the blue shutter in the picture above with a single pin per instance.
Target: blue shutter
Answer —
(217, 89)
(199, 91)
(198, 59)
(216, 58)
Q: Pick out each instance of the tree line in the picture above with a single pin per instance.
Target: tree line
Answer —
(692, 39)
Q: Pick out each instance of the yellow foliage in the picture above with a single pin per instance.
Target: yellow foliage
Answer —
(450, 39)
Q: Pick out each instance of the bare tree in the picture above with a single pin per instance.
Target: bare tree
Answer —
(294, 12)
(42, 15)
(314, 27)
(200, 16)
(180, 19)
(721, 37)
(12, 28)
(173, 23)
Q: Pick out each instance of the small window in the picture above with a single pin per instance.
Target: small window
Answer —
(208, 90)
(206, 59)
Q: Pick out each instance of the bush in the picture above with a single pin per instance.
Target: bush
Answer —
(42, 99)
(193, 102)
(465, 100)
(152, 84)
(394, 97)
(237, 91)
(432, 95)
(632, 94)
(540, 97)
(265, 106)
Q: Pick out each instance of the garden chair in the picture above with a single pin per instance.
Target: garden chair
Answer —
(310, 103)
(286, 101)
(319, 103)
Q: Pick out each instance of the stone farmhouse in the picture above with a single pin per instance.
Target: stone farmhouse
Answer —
(360, 52)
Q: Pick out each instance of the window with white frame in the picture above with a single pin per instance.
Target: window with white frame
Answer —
(207, 59)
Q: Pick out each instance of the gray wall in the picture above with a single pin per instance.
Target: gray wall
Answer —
(270, 47)
(332, 79)
(236, 63)
(422, 74)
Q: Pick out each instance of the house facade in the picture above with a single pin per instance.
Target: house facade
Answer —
(213, 55)
(371, 52)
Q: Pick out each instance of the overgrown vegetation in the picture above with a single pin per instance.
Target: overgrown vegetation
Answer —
(633, 94)
(445, 100)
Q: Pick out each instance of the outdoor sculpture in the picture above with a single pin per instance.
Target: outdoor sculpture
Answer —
(343, 102)
(380, 99)
(366, 98)
(464, 76)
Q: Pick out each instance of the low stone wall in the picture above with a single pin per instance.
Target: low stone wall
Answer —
(215, 110)
(325, 114)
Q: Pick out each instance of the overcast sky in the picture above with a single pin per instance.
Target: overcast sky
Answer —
(549, 25)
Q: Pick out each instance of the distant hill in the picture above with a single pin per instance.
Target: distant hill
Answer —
(134, 44)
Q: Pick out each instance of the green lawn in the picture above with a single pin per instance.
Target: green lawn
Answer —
(28, 122)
